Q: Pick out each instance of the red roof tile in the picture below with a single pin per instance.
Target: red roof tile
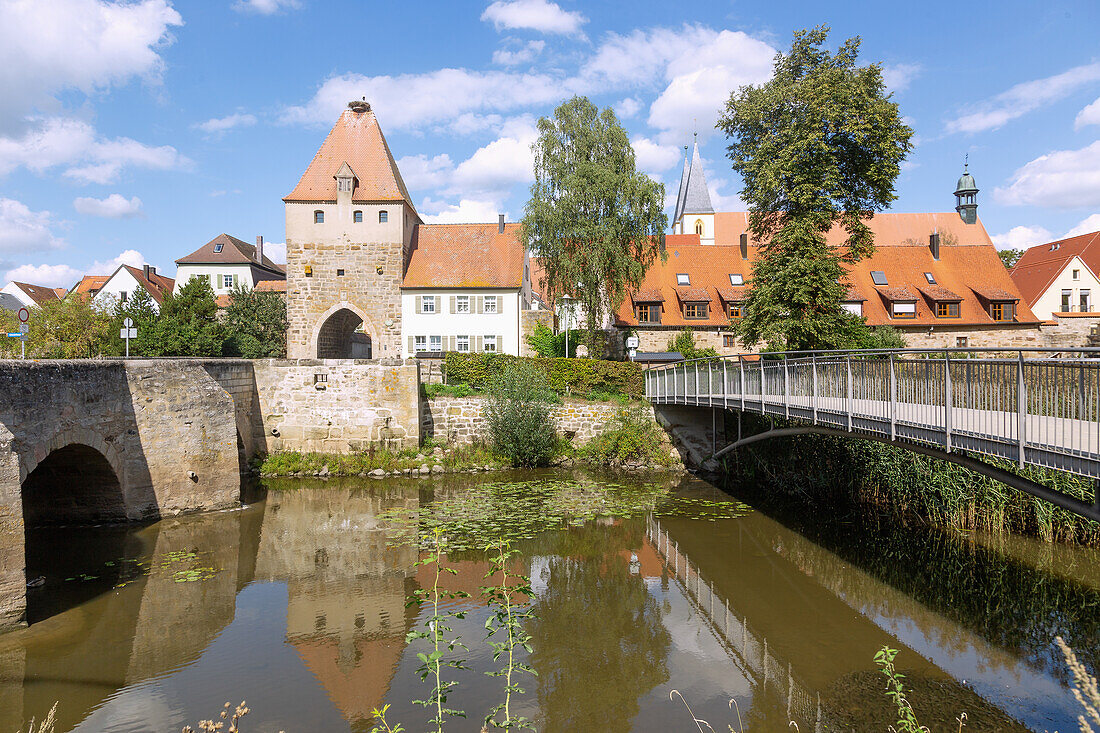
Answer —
(90, 284)
(158, 286)
(939, 293)
(898, 293)
(649, 295)
(888, 229)
(692, 295)
(271, 286)
(465, 256)
(233, 252)
(1039, 265)
(355, 139)
(994, 293)
(40, 294)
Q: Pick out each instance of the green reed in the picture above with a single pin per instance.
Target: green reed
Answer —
(508, 617)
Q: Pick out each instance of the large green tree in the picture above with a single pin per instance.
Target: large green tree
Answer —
(72, 328)
(593, 219)
(255, 324)
(188, 323)
(817, 146)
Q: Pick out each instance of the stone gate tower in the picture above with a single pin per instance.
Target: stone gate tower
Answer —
(349, 226)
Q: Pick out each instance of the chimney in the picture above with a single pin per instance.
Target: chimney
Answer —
(147, 270)
(500, 224)
(260, 248)
(744, 246)
(934, 244)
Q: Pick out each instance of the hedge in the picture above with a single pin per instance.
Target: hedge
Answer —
(565, 375)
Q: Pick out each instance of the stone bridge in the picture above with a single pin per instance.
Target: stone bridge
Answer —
(90, 442)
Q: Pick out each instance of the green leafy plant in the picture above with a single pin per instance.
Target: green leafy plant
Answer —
(434, 662)
(895, 690)
(518, 415)
(508, 618)
(684, 342)
(565, 376)
(632, 437)
(255, 324)
(382, 726)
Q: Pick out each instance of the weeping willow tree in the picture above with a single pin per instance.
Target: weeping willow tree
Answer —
(818, 145)
(593, 219)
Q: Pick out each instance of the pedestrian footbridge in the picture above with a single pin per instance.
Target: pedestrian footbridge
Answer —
(1033, 407)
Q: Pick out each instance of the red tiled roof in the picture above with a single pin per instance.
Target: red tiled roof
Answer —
(90, 284)
(465, 256)
(888, 229)
(733, 294)
(61, 292)
(156, 285)
(650, 295)
(271, 286)
(993, 293)
(40, 294)
(964, 266)
(692, 295)
(939, 293)
(898, 293)
(233, 252)
(355, 139)
(1039, 265)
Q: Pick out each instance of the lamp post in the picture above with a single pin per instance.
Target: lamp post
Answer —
(567, 309)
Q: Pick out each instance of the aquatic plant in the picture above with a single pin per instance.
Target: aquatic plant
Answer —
(216, 725)
(509, 617)
(895, 690)
(1084, 688)
(382, 726)
(47, 724)
(433, 663)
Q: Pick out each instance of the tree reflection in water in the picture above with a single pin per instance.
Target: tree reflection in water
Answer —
(594, 665)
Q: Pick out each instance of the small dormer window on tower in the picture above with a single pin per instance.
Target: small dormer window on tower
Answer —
(343, 184)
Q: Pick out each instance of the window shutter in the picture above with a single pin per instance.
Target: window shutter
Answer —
(480, 305)
(419, 304)
(500, 343)
(438, 304)
(479, 344)
(412, 344)
(234, 281)
(452, 306)
(213, 281)
(500, 302)
(451, 339)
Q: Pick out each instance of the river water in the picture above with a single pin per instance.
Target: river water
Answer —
(754, 617)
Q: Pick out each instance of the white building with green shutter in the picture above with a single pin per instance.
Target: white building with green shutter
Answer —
(227, 262)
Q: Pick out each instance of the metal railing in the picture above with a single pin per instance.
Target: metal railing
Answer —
(1031, 406)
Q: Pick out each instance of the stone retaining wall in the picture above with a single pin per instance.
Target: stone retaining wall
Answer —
(462, 419)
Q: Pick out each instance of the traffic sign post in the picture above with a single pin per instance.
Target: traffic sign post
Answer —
(128, 332)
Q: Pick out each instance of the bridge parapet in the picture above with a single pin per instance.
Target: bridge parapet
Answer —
(1030, 406)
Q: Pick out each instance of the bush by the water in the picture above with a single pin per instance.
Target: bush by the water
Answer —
(518, 412)
(633, 437)
(565, 376)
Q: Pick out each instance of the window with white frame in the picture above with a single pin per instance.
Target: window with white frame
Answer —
(682, 278)
(491, 305)
(435, 343)
(903, 309)
(218, 248)
(227, 281)
(462, 304)
(737, 278)
(462, 343)
(427, 304)
(489, 343)
(420, 343)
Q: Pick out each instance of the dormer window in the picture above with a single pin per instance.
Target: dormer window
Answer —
(218, 248)
(343, 184)
(318, 217)
(878, 277)
(930, 278)
(682, 278)
(1002, 311)
(902, 309)
(357, 217)
(737, 278)
(383, 217)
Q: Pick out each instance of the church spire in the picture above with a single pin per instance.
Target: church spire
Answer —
(696, 194)
(966, 195)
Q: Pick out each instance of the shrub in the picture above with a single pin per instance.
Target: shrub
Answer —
(566, 376)
(518, 413)
(684, 342)
(633, 437)
(447, 390)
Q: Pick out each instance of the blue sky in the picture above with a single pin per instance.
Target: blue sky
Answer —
(137, 131)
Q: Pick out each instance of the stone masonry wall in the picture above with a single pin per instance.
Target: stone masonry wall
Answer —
(337, 406)
(528, 322)
(462, 419)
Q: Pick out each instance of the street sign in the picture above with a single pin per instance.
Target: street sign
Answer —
(15, 335)
(24, 315)
(24, 327)
(632, 342)
(127, 333)
(128, 322)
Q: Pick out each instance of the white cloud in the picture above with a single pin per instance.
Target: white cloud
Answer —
(465, 211)
(65, 276)
(653, 157)
(1061, 179)
(23, 230)
(1088, 224)
(538, 15)
(897, 76)
(220, 125)
(1023, 98)
(61, 141)
(501, 164)
(421, 172)
(1090, 115)
(50, 276)
(275, 251)
(86, 45)
(627, 108)
(264, 7)
(114, 206)
(522, 55)
(1021, 237)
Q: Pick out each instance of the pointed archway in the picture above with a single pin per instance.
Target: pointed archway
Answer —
(340, 336)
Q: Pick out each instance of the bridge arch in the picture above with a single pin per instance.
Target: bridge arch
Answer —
(335, 335)
(74, 459)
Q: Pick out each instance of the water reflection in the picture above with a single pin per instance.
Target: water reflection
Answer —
(298, 604)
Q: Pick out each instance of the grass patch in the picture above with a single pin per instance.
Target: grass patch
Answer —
(460, 457)
(632, 437)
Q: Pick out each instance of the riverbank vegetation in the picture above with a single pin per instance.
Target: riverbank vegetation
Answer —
(518, 415)
(944, 494)
(564, 376)
(431, 457)
(632, 439)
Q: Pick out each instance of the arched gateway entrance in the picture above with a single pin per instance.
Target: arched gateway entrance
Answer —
(341, 337)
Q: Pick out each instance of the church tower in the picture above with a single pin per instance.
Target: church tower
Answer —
(350, 223)
(966, 196)
(694, 212)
